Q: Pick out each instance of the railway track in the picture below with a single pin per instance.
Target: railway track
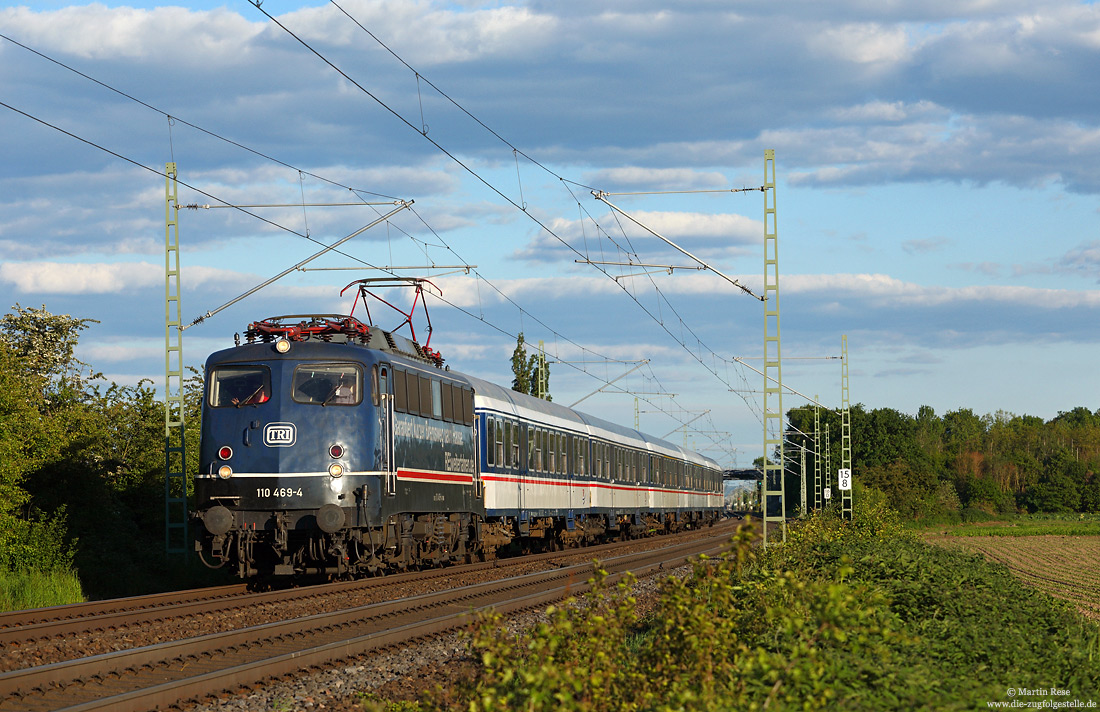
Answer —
(22, 627)
(173, 671)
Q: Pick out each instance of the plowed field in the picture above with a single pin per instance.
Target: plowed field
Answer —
(1066, 567)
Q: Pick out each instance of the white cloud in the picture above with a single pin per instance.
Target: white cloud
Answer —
(889, 111)
(885, 290)
(647, 178)
(427, 34)
(136, 34)
(108, 277)
(863, 43)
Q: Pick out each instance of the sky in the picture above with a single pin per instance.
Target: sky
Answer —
(937, 177)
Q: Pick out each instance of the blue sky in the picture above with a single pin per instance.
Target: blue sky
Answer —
(938, 167)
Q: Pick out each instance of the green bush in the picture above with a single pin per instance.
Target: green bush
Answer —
(857, 615)
(36, 544)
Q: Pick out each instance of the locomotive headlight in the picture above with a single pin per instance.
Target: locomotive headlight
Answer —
(282, 346)
(225, 472)
(336, 469)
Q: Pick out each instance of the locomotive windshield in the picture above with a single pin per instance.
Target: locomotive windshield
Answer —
(328, 384)
(239, 385)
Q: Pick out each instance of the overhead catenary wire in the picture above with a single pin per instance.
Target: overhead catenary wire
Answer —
(287, 271)
(601, 196)
(459, 162)
(327, 248)
(356, 191)
(173, 119)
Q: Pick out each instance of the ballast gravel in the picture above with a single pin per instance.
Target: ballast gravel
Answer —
(393, 674)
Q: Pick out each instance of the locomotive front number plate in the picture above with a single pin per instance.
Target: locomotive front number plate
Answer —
(280, 434)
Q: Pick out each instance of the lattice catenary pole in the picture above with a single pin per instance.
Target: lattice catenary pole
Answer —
(175, 451)
(773, 504)
(803, 510)
(845, 434)
(817, 453)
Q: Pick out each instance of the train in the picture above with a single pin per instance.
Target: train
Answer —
(331, 447)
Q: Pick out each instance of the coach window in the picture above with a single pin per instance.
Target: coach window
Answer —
(400, 400)
(412, 389)
(467, 406)
(425, 397)
(563, 454)
(490, 438)
(500, 443)
(328, 384)
(437, 399)
(513, 443)
(578, 455)
(446, 402)
(455, 403)
(552, 451)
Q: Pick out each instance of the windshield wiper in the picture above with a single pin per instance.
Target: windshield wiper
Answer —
(254, 394)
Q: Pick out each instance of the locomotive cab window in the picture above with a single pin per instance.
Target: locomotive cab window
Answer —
(236, 386)
(328, 384)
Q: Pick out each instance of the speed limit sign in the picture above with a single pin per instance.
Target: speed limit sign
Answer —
(844, 476)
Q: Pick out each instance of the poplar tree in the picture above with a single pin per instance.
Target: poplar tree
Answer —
(530, 372)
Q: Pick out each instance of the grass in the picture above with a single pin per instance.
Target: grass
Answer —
(1028, 529)
(1018, 525)
(33, 589)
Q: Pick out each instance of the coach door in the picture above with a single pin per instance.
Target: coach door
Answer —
(385, 430)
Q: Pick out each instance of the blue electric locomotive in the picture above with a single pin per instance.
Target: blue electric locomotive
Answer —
(337, 448)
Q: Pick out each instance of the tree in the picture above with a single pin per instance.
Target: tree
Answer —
(43, 342)
(531, 373)
(522, 381)
(29, 539)
(21, 434)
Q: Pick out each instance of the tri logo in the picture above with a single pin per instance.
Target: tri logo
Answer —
(280, 434)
